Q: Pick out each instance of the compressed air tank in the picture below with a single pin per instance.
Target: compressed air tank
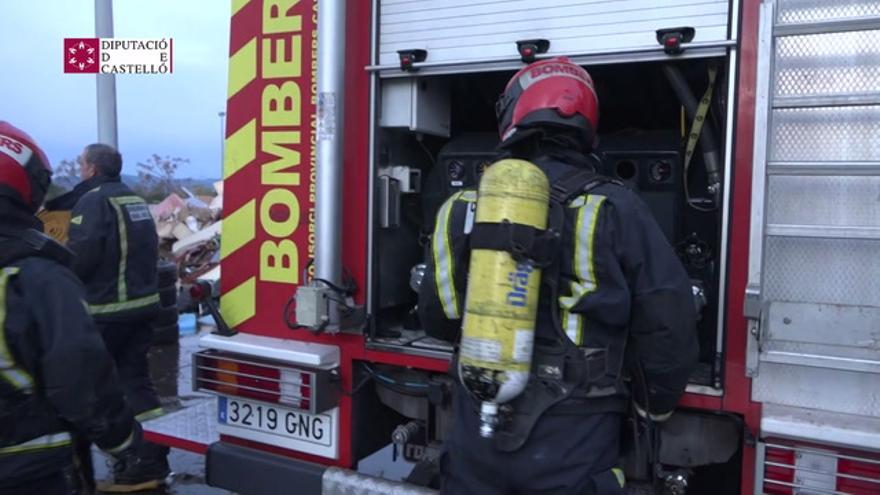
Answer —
(502, 294)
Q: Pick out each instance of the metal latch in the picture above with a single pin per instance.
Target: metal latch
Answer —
(753, 309)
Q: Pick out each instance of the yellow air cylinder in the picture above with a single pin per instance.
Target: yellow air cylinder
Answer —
(502, 294)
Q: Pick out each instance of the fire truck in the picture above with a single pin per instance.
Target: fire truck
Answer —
(750, 128)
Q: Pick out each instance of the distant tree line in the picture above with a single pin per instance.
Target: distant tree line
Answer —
(156, 179)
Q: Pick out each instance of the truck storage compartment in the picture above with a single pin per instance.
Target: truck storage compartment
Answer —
(436, 134)
(465, 31)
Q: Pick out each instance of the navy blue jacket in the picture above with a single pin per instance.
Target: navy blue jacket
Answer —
(114, 238)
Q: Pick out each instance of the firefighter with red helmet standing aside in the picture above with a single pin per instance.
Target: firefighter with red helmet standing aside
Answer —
(56, 377)
(613, 298)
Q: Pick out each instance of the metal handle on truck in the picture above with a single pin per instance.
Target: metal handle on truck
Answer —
(753, 299)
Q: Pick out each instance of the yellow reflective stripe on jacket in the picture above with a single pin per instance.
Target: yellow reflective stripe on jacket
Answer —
(122, 446)
(9, 371)
(150, 414)
(100, 309)
(51, 441)
(444, 265)
(584, 247)
(620, 476)
(123, 249)
(573, 324)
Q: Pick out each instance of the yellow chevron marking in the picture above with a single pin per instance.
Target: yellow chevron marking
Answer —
(240, 304)
(239, 228)
(241, 148)
(242, 67)
(238, 5)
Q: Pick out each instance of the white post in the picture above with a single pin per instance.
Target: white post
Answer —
(328, 200)
(106, 83)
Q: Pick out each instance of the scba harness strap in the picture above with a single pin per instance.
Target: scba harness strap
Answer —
(525, 244)
(560, 370)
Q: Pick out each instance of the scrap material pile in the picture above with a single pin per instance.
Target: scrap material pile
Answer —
(189, 233)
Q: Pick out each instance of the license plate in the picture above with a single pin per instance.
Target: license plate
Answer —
(288, 423)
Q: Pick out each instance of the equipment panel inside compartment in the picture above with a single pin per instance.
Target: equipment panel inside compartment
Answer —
(435, 135)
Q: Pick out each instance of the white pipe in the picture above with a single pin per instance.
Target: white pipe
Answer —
(106, 83)
(328, 200)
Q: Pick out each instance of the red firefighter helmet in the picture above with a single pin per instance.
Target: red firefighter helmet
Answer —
(549, 93)
(25, 173)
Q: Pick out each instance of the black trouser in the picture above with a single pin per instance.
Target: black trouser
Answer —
(52, 484)
(565, 454)
(129, 343)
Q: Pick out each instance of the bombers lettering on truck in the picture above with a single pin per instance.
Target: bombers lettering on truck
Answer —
(281, 119)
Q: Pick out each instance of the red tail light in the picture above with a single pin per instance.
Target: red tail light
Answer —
(248, 377)
(790, 469)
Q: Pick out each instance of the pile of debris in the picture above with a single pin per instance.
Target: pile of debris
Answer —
(189, 233)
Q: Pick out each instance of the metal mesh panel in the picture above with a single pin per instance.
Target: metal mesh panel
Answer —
(833, 271)
(826, 134)
(844, 201)
(828, 64)
(806, 11)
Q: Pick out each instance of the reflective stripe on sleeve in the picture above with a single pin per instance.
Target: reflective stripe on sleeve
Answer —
(9, 371)
(44, 442)
(102, 309)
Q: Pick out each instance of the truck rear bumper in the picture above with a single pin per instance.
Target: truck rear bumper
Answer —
(253, 472)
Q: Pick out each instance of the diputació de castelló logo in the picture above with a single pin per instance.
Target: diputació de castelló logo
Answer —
(118, 56)
(81, 55)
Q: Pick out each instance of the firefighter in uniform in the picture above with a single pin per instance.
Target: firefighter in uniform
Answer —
(113, 236)
(56, 377)
(613, 295)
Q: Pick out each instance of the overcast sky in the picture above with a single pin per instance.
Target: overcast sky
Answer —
(167, 114)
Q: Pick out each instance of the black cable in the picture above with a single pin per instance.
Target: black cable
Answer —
(342, 290)
(406, 388)
(420, 140)
(357, 388)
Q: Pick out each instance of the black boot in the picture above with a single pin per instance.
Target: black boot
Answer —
(147, 470)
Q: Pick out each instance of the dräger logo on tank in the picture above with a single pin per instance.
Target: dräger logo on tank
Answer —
(118, 56)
